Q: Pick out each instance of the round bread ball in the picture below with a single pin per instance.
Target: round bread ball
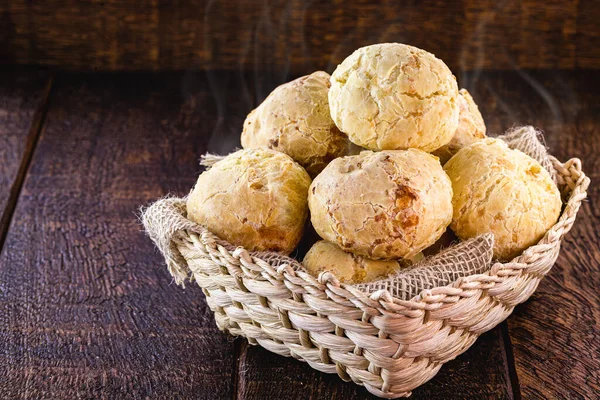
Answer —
(502, 191)
(384, 205)
(347, 267)
(392, 96)
(471, 127)
(255, 198)
(295, 120)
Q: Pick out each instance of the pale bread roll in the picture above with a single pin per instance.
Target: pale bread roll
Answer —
(254, 198)
(471, 128)
(347, 267)
(394, 96)
(385, 205)
(295, 120)
(502, 191)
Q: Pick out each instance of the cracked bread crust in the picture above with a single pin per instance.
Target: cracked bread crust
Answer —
(347, 267)
(255, 198)
(295, 120)
(394, 96)
(471, 127)
(382, 205)
(502, 191)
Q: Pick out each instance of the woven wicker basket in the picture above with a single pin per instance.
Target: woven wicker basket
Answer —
(388, 345)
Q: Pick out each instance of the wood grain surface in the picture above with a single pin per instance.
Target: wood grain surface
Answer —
(87, 309)
(23, 98)
(295, 35)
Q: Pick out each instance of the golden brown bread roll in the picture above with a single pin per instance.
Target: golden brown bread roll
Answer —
(393, 96)
(295, 120)
(385, 205)
(347, 267)
(502, 191)
(471, 128)
(255, 198)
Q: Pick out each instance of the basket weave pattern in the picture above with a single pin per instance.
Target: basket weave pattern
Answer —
(389, 345)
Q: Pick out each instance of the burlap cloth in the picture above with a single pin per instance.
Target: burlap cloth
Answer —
(166, 219)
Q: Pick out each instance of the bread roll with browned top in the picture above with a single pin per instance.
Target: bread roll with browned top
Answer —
(384, 205)
(471, 128)
(295, 119)
(393, 96)
(347, 267)
(255, 198)
(502, 191)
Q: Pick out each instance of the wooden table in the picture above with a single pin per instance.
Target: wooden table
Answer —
(88, 310)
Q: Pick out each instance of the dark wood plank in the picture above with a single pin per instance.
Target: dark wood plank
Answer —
(294, 35)
(23, 98)
(555, 335)
(87, 308)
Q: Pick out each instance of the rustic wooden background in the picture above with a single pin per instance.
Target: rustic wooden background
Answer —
(87, 308)
(295, 36)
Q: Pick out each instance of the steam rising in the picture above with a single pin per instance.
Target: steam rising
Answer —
(274, 35)
(471, 74)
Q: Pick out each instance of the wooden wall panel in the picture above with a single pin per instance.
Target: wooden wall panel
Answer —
(588, 34)
(294, 36)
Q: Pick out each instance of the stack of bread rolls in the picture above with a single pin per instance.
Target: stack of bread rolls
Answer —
(425, 166)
